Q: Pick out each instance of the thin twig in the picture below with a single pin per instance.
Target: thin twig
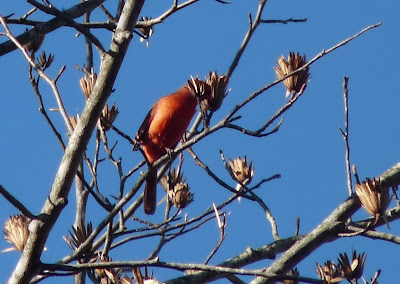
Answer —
(30, 12)
(221, 227)
(16, 203)
(317, 57)
(52, 83)
(345, 133)
(297, 226)
(253, 26)
(160, 19)
(290, 20)
(119, 132)
(268, 214)
(109, 239)
(215, 177)
(89, 49)
(42, 109)
(108, 14)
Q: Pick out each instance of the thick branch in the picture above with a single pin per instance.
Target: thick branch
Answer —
(327, 231)
(248, 257)
(29, 263)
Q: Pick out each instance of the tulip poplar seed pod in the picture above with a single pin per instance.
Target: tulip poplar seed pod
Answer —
(374, 197)
(45, 61)
(353, 270)
(329, 272)
(294, 84)
(218, 85)
(181, 195)
(147, 31)
(198, 88)
(87, 83)
(241, 172)
(107, 275)
(109, 116)
(16, 232)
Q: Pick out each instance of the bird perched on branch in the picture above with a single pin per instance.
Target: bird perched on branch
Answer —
(164, 126)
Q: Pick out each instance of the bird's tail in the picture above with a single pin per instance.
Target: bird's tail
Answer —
(150, 193)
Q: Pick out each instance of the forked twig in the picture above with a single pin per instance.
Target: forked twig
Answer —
(221, 226)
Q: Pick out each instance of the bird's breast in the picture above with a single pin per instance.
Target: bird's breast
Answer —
(171, 117)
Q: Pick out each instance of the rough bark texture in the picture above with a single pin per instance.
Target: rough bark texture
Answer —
(29, 263)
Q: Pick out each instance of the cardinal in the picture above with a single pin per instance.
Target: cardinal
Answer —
(164, 126)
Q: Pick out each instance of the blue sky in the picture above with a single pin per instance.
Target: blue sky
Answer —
(308, 150)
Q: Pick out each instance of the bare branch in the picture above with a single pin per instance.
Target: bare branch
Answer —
(52, 83)
(49, 26)
(211, 272)
(42, 109)
(16, 203)
(174, 8)
(221, 226)
(290, 20)
(327, 231)
(317, 57)
(215, 177)
(246, 40)
(58, 14)
(92, 25)
(268, 214)
(345, 133)
(30, 258)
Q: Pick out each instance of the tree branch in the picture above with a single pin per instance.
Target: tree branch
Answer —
(29, 263)
(328, 230)
(345, 133)
(16, 203)
(49, 26)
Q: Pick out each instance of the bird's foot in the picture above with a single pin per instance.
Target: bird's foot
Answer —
(136, 145)
(169, 152)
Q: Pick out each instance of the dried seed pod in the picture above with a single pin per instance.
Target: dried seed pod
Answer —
(146, 279)
(87, 83)
(107, 275)
(329, 272)
(109, 116)
(147, 31)
(181, 195)
(374, 197)
(295, 83)
(241, 172)
(78, 236)
(45, 61)
(126, 280)
(198, 87)
(218, 85)
(16, 232)
(353, 270)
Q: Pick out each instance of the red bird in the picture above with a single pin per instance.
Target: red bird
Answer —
(164, 126)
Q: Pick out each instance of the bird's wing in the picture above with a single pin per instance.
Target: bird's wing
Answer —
(144, 128)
